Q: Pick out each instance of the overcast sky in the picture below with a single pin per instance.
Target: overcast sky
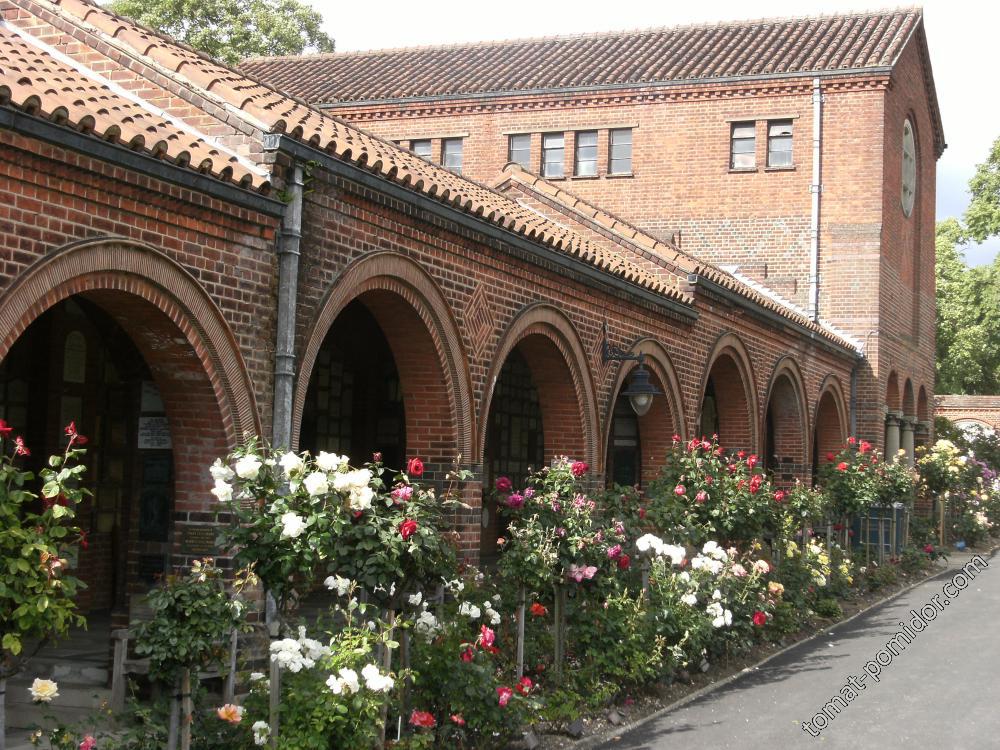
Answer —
(962, 37)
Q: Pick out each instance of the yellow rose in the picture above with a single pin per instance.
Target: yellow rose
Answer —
(43, 691)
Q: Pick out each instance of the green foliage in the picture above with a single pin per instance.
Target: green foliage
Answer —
(968, 317)
(36, 592)
(982, 217)
(709, 495)
(857, 478)
(193, 616)
(233, 30)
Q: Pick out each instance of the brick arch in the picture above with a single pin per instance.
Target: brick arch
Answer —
(173, 321)
(909, 402)
(418, 324)
(892, 399)
(786, 407)
(665, 417)
(923, 409)
(730, 369)
(830, 420)
(559, 369)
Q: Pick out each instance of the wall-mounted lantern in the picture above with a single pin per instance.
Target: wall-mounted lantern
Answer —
(639, 389)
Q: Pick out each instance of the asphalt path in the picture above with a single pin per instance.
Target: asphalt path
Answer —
(941, 690)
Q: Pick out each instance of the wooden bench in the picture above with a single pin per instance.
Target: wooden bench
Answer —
(122, 666)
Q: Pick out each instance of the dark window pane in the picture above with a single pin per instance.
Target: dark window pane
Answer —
(519, 150)
(620, 151)
(451, 153)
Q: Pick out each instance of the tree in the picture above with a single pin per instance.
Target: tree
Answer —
(968, 317)
(233, 30)
(982, 217)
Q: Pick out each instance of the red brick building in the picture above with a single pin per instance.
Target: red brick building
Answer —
(970, 412)
(776, 149)
(191, 257)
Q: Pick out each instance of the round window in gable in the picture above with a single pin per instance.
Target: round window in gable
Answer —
(909, 169)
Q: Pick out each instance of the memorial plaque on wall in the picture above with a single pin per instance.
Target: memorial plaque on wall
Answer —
(154, 433)
(197, 540)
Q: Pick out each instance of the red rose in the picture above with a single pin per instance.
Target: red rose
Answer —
(5, 429)
(753, 461)
(642, 512)
(423, 719)
(468, 655)
(677, 438)
(486, 636)
(20, 449)
(503, 484)
(579, 468)
(779, 496)
(457, 719)
(830, 457)
(624, 562)
(407, 528)
(759, 618)
(852, 440)
(504, 695)
(538, 610)
(377, 457)
(415, 467)
(865, 446)
(929, 548)
(524, 685)
(842, 466)
(755, 482)
(741, 454)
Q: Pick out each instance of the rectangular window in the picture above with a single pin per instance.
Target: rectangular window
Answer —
(421, 147)
(620, 151)
(519, 150)
(779, 143)
(586, 153)
(743, 149)
(553, 150)
(451, 153)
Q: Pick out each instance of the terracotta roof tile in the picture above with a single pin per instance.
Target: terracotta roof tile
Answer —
(38, 80)
(272, 111)
(683, 53)
(673, 257)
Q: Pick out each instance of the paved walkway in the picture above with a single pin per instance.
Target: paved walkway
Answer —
(940, 691)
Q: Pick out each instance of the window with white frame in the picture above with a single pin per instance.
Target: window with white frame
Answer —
(553, 154)
(779, 143)
(620, 151)
(451, 153)
(519, 149)
(586, 154)
(743, 146)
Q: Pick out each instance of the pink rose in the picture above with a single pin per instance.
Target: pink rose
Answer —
(503, 484)
(679, 490)
(579, 468)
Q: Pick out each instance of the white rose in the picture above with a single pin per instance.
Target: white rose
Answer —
(261, 732)
(375, 680)
(316, 483)
(292, 525)
(361, 498)
(329, 461)
(223, 491)
(292, 463)
(350, 679)
(689, 599)
(220, 472)
(248, 467)
(415, 599)
(43, 691)
(337, 583)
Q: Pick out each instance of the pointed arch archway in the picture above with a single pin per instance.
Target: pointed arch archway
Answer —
(729, 396)
(409, 312)
(121, 338)
(641, 443)
(785, 451)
